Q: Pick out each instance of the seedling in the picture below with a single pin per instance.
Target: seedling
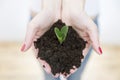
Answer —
(61, 34)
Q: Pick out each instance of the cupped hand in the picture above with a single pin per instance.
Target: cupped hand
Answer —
(73, 14)
(49, 14)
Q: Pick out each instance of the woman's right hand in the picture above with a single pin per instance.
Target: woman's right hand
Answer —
(49, 14)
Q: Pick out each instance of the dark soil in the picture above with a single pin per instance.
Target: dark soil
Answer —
(61, 57)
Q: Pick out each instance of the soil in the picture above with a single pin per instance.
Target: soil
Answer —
(61, 57)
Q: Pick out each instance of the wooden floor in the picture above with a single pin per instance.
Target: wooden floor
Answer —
(15, 65)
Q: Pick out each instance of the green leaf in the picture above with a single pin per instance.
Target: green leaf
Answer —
(61, 34)
(58, 34)
(64, 31)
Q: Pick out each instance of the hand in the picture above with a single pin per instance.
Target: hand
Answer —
(49, 14)
(74, 15)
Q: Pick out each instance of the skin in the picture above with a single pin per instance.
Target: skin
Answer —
(70, 12)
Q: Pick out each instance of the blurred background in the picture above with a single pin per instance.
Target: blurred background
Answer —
(15, 65)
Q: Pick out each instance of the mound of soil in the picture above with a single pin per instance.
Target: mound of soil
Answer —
(61, 57)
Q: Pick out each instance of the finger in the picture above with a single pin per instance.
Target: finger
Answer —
(93, 34)
(45, 65)
(29, 38)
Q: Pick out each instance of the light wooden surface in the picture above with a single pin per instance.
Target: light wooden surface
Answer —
(15, 65)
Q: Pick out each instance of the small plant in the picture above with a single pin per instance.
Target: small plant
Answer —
(61, 34)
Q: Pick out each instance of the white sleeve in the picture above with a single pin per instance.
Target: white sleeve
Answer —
(35, 5)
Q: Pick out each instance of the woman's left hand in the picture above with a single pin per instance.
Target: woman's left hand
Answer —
(73, 14)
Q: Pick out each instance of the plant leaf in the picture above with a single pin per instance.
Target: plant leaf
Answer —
(64, 31)
(58, 34)
(61, 34)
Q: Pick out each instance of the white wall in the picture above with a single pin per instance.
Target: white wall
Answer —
(13, 19)
(14, 16)
(110, 21)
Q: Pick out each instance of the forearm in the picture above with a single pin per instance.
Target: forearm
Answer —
(51, 4)
(79, 4)
(46, 5)
(76, 4)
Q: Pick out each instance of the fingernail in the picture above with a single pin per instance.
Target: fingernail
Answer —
(100, 50)
(23, 47)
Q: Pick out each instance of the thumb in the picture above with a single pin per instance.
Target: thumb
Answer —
(31, 31)
(93, 34)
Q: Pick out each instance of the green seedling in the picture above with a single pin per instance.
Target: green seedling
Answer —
(61, 34)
